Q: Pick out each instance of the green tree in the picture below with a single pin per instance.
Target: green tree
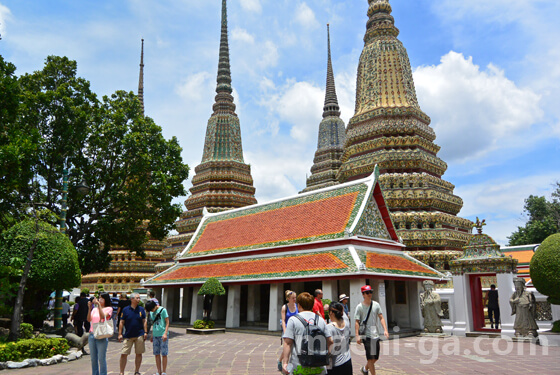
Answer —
(48, 259)
(17, 148)
(212, 287)
(545, 268)
(543, 219)
(132, 171)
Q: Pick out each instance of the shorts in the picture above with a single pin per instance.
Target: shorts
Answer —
(372, 347)
(138, 343)
(161, 347)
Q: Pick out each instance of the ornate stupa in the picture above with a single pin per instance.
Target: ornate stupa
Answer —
(332, 134)
(389, 129)
(127, 269)
(222, 181)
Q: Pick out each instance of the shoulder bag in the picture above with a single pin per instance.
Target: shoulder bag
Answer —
(363, 324)
(103, 330)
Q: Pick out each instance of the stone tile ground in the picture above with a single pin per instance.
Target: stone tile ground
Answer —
(241, 353)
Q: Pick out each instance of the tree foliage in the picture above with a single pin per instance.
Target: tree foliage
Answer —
(545, 268)
(55, 260)
(212, 287)
(543, 219)
(133, 172)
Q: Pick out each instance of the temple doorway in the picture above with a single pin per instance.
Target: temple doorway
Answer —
(479, 288)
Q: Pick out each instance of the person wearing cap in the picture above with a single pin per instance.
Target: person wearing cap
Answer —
(371, 339)
(343, 298)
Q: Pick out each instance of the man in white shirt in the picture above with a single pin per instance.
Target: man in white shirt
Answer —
(371, 337)
(294, 335)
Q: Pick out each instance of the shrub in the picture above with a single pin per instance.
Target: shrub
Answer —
(556, 327)
(545, 268)
(32, 348)
(25, 331)
(201, 324)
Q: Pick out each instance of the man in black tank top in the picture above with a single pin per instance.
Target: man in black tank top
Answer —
(81, 315)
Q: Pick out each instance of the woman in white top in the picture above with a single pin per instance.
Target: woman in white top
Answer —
(339, 328)
(288, 310)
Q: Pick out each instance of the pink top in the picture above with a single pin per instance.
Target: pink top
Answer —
(95, 315)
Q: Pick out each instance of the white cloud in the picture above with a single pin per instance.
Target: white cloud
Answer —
(242, 35)
(5, 15)
(269, 55)
(475, 111)
(251, 5)
(196, 87)
(305, 16)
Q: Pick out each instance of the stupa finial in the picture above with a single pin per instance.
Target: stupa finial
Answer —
(479, 224)
(224, 99)
(141, 78)
(331, 107)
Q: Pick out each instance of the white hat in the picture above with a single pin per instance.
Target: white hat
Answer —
(342, 297)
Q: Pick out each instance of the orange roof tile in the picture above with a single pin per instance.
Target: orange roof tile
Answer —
(522, 256)
(394, 262)
(292, 264)
(309, 219)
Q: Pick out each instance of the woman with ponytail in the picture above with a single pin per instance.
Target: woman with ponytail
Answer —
(288, 310)
(339, 328)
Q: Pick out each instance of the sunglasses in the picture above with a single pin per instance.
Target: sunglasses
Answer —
(368, 292)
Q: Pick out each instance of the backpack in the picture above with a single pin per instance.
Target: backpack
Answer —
(313, 351)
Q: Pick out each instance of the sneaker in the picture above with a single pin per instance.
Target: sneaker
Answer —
(363, 370)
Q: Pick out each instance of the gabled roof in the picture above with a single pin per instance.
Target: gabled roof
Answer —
(343, 261)
(341, 211)
(523, 253)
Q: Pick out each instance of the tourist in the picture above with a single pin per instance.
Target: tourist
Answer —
(369, 312)
(133, 320)
(294, 334)
(339, 328)
(152, 296)
(289, 309)
(343, 299)
(74, 312)
(115, 305)
(81, 312)
(123, 302)
(318, 303)
(160, 330)
(50, 307)
(98, 311)
(65, 310)
(493, 306)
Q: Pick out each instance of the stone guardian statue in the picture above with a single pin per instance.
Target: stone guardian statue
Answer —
(524, 307)
(430, 304)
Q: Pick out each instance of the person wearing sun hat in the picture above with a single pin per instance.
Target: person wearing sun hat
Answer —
(343, 298)
(370, 312)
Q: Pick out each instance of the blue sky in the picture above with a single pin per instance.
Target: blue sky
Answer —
(486, 72)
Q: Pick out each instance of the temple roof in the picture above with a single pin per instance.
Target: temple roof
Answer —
(342, 211)
(302, 265)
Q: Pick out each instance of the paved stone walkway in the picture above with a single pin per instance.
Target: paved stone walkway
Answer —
(241, 353)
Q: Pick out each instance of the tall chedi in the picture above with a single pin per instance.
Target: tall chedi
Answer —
(222, 181)
(127, 269)
(332, 134)
(389, 129)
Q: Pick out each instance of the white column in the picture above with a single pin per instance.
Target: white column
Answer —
(462, 310)
(505, 290)
(329, 290)
(251, 294)
(381, 299)
(555, 312)
(196, 306)
(181, 303)
(274, 310)
(232, 314)
(355, 295)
